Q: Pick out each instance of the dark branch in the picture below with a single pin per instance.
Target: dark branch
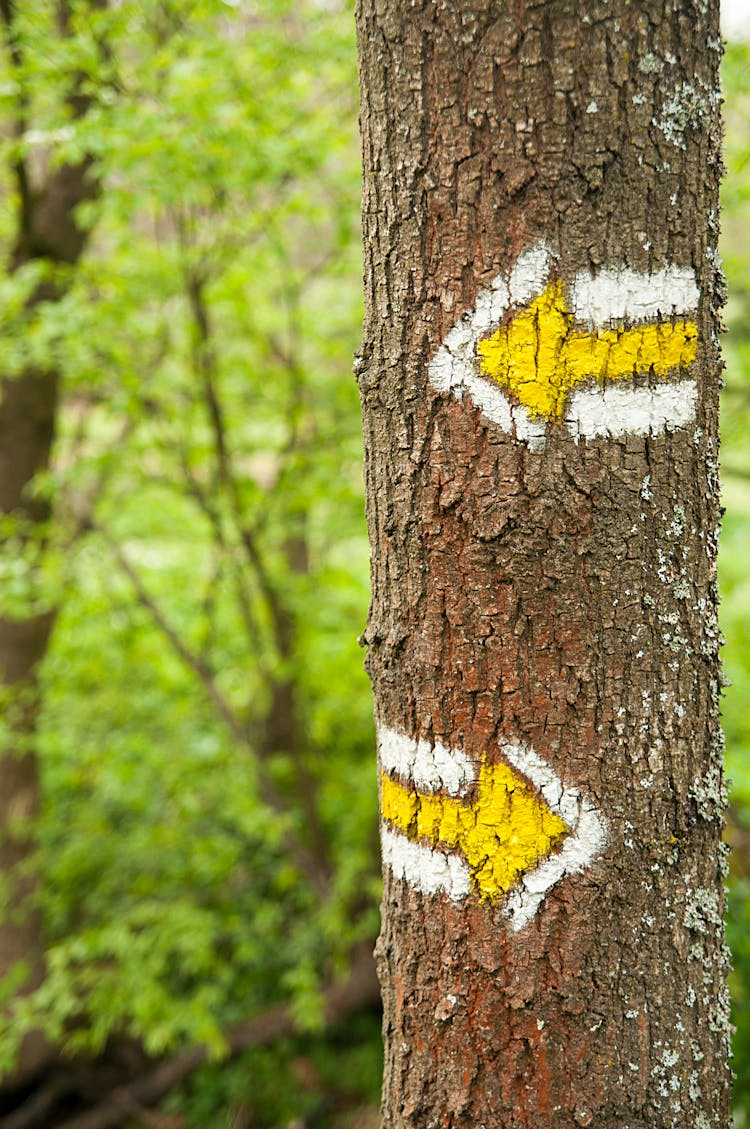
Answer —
(267, 790)
(358, 991)
(194, 662)
(205, 364)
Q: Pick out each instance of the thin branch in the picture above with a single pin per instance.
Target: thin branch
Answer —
(736, 391)
(358, 991)
(729, 471)
(287, 357)
(267, 790)
(150, 1118)
(204, 361)
(84, 506)
(283, 623)
(194, 662)
(209, 602)
(210, 512)
(34, 1111)
(738, 838)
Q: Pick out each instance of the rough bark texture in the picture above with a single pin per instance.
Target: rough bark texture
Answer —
(561, 595)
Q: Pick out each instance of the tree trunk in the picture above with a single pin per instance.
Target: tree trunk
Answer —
(28, 409)
(26, 423)
(47, 230)
(539, 378)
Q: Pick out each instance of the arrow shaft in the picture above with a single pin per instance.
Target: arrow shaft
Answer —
(616, 354)
(540, 359)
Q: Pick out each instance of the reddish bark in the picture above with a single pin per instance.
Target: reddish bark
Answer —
(562, 597)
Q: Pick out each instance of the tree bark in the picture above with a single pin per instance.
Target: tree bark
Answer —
(541, 186)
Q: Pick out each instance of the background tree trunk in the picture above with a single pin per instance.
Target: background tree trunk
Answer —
(47, 230)
(543, 587)
(28, 410)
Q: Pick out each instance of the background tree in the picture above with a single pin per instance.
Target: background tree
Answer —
(208, 798)
(543, 638)
(43, 244)
(175, 917)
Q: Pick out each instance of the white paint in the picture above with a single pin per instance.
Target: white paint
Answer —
(531, 271)
(453, 368)
(429, 870)
(587, 839)
(614, 410)
(612, 295)
(430, 766)
(433, 871)
(621, 294)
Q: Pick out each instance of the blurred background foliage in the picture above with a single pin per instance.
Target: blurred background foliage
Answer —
(207, 837)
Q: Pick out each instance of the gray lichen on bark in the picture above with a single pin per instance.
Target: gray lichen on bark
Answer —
(565, 596)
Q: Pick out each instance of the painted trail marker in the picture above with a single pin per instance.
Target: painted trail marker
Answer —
(605, 356)
(507, 831)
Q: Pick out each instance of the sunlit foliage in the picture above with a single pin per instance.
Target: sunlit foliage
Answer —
(208, 839)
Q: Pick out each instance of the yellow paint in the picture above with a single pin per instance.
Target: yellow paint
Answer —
(503, 832)
(539, 358)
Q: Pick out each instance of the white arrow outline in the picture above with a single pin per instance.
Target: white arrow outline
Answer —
(432, 767)
(613, 295)
(587, 839)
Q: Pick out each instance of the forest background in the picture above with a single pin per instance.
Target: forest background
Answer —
(206, 847)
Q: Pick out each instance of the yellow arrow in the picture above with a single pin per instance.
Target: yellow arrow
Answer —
(539, 358)
(503, 832)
